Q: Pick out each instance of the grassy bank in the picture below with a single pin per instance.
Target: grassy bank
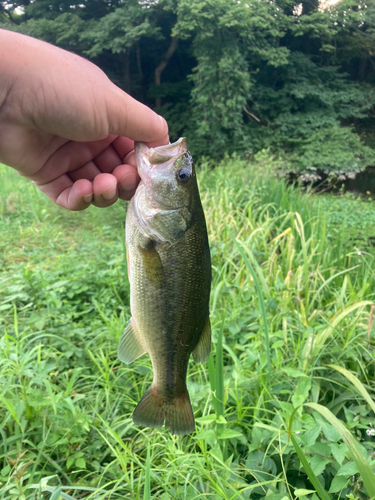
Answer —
(291, 305)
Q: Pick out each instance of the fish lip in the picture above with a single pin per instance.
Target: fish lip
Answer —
(162, 154)
(157, 154)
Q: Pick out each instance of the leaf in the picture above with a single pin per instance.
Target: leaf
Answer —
(69, 463)
(301, 393)
(293, 372)
(364, 468)
(318, 464)
(338, 483)
(207, 419)
(330, 432)
(339, 451)
(347, 470)
(300, 492)
(5, 470)
(309, 437)
(228, 434)
(207, 435)
(81, 463)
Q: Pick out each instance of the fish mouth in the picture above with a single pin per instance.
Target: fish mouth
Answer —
(162, 154)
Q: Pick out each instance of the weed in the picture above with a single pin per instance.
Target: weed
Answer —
(292, 315)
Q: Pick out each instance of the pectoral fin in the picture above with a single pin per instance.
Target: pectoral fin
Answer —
(152, 264)
(203, 348)
(130, 347)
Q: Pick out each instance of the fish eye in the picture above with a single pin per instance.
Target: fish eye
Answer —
(183, 175)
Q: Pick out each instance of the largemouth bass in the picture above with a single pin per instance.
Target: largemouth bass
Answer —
(169, 270)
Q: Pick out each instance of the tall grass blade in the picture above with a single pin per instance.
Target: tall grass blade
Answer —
(301, 232)
(262, 306)
(212, 379)
(220, 372)
(321, 338)
(323, 495)
(147, 490)
(56, 494)
(11, 409)
(357, 384)
(326, 282)
(216, 376)
(364, 468)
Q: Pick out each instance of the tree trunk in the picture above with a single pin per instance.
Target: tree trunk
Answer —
(362, 69)
(8, 14)
(139, 62)
(140, 72)
(158, 71)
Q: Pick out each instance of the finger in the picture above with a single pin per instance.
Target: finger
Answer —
(88, 171)
(105, 190)
(70, 157)
(68, 194)
(130, 159)
(107, 160)
(123, 146)
(127, 180)
(130, 118)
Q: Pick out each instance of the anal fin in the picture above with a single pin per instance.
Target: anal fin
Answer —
(203, 348)
(130, 347)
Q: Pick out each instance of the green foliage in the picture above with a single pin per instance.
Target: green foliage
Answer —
(337, 151)
(221, 83)
(120, 30)
(66, 401)
(234, 76)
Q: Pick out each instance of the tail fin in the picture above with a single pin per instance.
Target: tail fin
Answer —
(154, 410)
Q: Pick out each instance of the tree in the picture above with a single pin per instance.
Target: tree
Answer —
(234, 76)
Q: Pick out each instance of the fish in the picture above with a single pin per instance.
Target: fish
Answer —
(169, 270)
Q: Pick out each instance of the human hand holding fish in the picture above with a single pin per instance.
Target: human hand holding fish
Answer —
(65, 126)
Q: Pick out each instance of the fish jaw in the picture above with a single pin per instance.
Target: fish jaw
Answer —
(147, 158)
(163, 201)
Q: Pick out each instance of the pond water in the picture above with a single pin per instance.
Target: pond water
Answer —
(364, 183)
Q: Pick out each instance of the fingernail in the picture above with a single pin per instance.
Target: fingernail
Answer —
(109, 195)
(88, 198)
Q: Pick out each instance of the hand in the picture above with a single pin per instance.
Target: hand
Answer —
(65, 126)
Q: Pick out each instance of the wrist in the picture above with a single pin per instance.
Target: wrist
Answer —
(8, 66)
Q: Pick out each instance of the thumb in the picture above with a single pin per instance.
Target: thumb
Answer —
(130, 118)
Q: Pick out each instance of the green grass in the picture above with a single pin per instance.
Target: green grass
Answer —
(287, 267)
